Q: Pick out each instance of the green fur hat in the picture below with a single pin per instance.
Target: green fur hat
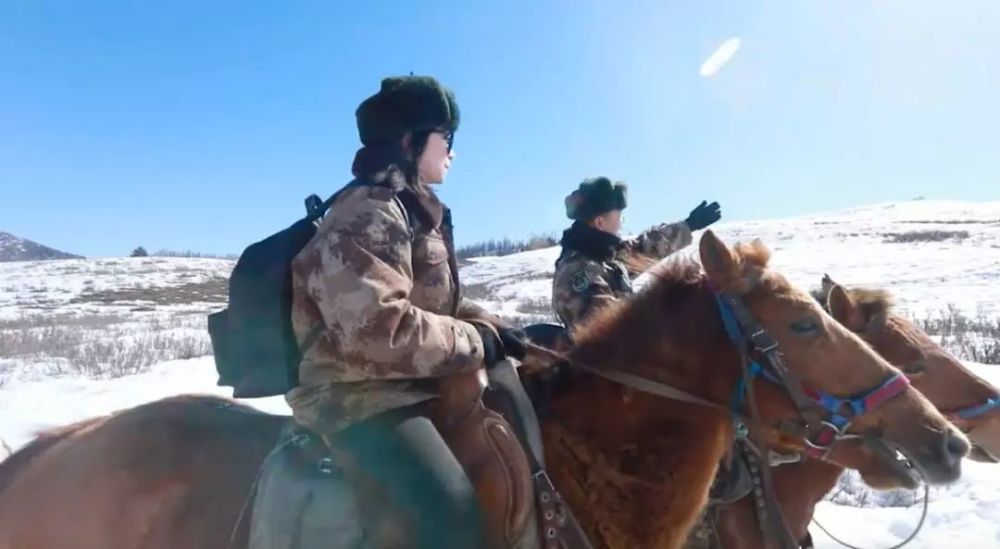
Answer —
(406, 104)
(596, 196)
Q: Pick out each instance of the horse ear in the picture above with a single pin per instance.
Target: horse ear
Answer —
(845, 309)
(719, 261)
(825, 287)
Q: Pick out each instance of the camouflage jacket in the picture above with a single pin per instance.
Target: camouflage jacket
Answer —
(592, 272)
(380, 280)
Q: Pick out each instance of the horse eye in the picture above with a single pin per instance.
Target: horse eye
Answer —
(914, 368)
(805, 327)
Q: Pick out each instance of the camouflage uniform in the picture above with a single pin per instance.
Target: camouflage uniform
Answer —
(585, 281)
(382, 281)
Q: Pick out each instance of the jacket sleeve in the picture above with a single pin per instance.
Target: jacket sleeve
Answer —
(661, 240)
(360, 277)
(470, 310)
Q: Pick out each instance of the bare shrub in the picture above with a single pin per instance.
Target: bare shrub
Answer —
(970, 338)
(536, 307)
(506, 246)
(129, 356)
(192, 254)
(853, 492)
(53, 341)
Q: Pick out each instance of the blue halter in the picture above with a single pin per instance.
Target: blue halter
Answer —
(842, 411)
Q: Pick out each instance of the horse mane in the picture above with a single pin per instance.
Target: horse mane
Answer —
(44, 440)
(672, 282)
(754, 252)
(876, 301)
(873, 301)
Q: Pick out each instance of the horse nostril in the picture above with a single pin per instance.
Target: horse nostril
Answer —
(955, 445)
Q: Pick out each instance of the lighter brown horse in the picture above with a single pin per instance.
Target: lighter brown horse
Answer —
(947, 383)
(177, 472)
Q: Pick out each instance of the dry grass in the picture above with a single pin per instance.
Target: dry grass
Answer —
(100, 345)
(86, 322)
(214, 290)
(529, 311)
(926, 236)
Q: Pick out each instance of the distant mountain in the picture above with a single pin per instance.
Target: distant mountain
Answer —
(15, 248)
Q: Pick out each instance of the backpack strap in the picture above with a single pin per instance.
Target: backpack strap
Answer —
(316, 208)
(406, 215)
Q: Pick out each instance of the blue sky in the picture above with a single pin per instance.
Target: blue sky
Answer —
(202, 125)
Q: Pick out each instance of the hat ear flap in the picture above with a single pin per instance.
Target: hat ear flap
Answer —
(454, 113)
(574, 202)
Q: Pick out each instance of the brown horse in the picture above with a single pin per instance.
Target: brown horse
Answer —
(634, 467)
(949, 385)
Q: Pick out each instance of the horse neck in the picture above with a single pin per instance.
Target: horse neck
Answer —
(800, 486)
(637, 468)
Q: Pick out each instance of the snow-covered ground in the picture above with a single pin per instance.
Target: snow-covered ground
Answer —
(80, 286)
(953, 259)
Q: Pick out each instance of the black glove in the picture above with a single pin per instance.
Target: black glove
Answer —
(509, 343)
(704, 215)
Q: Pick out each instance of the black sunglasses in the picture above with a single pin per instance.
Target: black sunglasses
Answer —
(449, 137)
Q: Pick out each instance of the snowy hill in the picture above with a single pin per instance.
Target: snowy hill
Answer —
(14, 248)
(931, 254)
(85, 337)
